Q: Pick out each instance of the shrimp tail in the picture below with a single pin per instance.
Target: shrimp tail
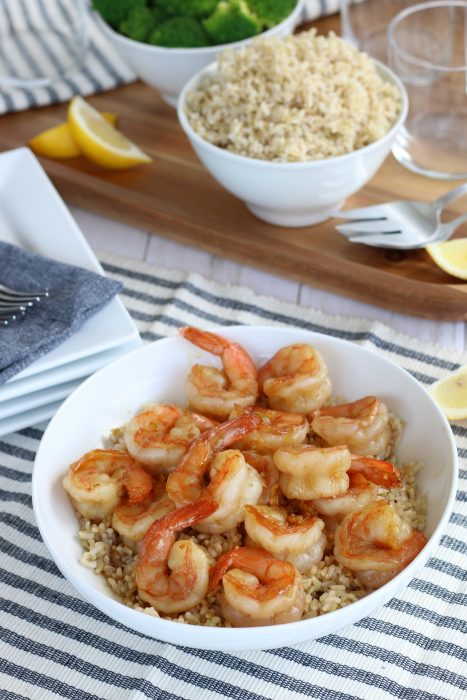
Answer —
(377, 471)
(348, 410)
(138, 484)
(176, 520)
(246, 556)
(235, 429)
(210, 342)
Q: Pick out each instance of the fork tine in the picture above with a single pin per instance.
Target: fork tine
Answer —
(385, 227)
(361, 214)
(18, 298)
(382, 241)
(6, 305)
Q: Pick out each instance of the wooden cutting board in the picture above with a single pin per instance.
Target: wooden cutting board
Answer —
(175, 197)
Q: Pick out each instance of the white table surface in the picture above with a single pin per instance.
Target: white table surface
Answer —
(107, 235)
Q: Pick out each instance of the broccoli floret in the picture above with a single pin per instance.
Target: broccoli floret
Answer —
(116, 11)
(232, 20)
(188, 8)
(179, 32)
(139, 24)
(271, 12)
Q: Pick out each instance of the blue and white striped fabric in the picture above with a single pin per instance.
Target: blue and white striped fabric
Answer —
(40, 52)
(319, 8)
(55, 645)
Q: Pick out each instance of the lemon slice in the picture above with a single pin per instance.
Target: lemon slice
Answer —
(450, 393)
(451, 256)
(99, 141)
(58, 141)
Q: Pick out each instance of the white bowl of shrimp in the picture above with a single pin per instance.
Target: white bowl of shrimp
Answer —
(221, 510)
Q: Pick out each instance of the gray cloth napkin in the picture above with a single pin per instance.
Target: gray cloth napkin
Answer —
(75, 295)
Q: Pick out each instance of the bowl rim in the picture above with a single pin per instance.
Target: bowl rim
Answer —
(384, 71)
(198, 50)
(233, 639)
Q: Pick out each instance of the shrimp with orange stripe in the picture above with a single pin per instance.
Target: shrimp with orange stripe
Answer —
(215, 392)
(257, 589)
(97, 481)
(233, 482)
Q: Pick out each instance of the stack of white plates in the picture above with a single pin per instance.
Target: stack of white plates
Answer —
(34, 217)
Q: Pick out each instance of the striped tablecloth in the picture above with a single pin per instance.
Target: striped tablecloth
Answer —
(55, 645)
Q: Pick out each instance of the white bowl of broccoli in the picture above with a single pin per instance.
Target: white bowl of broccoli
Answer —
(166, 42)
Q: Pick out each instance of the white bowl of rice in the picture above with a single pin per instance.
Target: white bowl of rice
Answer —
(293, 126)
(158, 372)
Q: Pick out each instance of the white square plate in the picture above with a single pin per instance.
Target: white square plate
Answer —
(35, 218)
(56, 390)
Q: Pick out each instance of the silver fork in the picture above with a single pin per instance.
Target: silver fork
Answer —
(405, 239)
(401, 224)
(15, 303)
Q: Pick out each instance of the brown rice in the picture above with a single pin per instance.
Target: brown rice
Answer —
(302, 98)
(327, 585)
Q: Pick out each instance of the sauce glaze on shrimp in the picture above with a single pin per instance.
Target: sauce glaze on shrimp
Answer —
(233, 482)
(173, 576)
(295, 379)
(96, 482)
(362, 425)
(257, 589)
(216, 392)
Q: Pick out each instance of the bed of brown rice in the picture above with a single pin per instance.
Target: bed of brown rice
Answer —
(302, 98)
(327, 585)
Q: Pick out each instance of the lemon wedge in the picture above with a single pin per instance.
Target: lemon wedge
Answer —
(99, 141)
(58, 141)
(450, 393)
(450, 256)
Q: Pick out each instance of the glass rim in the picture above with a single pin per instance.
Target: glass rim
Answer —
(403, 14)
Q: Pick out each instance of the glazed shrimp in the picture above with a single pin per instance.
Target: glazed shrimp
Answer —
(365, 475)
(264, 465)
(260, 590)
(309, 472)
(174, 576)
(363, 426)
(278, 429)
(215, 392)
(233, 482)
(295, 379)
(132, 520)
(376, 543)
(159, 436)
(97, 481)
(301, 542)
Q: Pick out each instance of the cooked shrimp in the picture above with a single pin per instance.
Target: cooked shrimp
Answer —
(309, 472)
(359, 494)
(159, 436)
(264, 465)
(260, 590)
(363, 426)
(376, 543)
(174, 576)
(365, 475)
(278, 429)
(97, 481)
(301, 542)
(215, 392)
(295, 379)
(233, 482)
(132, 520)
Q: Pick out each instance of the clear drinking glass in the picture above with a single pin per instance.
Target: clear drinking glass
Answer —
(364, 23)
(428, 50)
(41, 41)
